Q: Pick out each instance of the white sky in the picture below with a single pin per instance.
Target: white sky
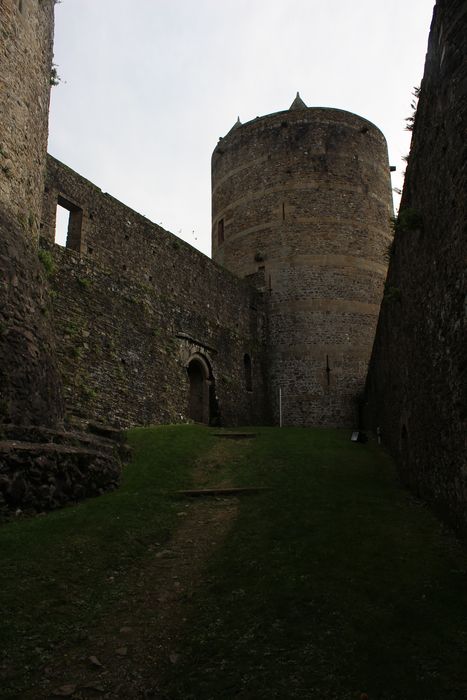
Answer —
(148, 86)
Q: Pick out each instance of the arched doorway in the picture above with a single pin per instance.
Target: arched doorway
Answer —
(199, 378)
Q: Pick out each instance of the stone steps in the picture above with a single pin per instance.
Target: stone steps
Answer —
(53, 468)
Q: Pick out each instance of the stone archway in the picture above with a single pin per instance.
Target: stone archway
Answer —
(198, 401)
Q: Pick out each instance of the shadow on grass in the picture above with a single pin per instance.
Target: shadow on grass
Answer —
(335, 583)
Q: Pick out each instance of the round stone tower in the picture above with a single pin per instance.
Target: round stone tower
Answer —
(301, 204)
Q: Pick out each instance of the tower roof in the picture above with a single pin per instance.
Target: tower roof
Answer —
(298, 103)
(236, 125)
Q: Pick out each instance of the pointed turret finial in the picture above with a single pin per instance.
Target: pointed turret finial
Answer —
(298, 103)
(236, 125)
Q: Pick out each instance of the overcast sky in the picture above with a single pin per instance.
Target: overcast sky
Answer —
(148, 86)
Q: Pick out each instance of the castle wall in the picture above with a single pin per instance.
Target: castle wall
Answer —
(302, 198)
(26, 60)
(417, 383)
(133, 303)
(29, 383)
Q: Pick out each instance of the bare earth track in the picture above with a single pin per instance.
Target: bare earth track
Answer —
(124, 654)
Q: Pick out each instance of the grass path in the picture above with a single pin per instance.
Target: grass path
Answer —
(332, 584)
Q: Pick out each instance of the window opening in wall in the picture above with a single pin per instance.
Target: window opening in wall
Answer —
(68, 224)
(247, 368)
(220, 231)
(62, 221)
(283, 211)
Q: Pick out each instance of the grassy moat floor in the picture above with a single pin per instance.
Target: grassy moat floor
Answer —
(335, 584)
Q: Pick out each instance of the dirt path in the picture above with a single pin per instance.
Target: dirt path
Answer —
(123, 655)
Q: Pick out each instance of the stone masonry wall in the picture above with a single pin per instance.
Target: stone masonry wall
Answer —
(29, 382)
(133, 303)
(303, 197)
(417, 383)
(26, 29)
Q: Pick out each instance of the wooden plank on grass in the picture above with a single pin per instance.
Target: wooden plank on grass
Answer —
(235, 436)
(222, 491)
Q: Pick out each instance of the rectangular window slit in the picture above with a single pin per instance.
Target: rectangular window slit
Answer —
(328, 371)
(220, 231)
